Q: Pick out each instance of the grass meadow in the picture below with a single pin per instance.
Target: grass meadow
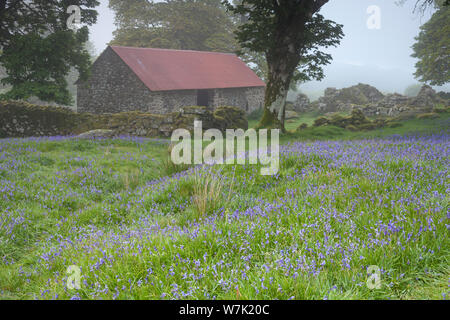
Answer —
(141, 229)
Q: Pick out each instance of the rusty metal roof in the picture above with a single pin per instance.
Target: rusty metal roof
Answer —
(165, 69)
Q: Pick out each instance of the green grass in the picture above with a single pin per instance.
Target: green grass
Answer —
(142, 230)
(407, 127)
(291, 125)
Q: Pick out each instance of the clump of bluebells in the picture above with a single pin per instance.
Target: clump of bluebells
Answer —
(310, 232)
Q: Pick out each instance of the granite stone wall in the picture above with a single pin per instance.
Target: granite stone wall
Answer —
(114, 88)
(20, 119)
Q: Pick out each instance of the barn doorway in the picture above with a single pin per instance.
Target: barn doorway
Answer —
(203, 98)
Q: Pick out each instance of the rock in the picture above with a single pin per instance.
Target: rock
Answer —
(194, 110)
(99, 133)
(426, 99)
(345, 99)
(230, 118)
(430, 115)
(372, 94)
(356, 120)
(397, 105)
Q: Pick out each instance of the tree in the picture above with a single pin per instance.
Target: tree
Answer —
(202, 25)
(38, 50)
(432, 48)
(290, 34)
(423, 5)
(413, 90)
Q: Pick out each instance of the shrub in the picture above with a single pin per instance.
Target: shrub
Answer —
(441, 108)
(303, 126)
(321, 121)
(351, 127)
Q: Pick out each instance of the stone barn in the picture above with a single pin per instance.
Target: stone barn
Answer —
(162, 81)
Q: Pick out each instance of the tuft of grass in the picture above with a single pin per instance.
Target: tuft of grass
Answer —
(207, 193)
(169, 167)
(131, 179)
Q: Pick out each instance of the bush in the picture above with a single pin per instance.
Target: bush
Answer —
(351, 127)
(440, 108)
(303, 126)
(321, 121)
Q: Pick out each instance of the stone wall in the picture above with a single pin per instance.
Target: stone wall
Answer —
(20, 119)
(114, 88)
(248, 99)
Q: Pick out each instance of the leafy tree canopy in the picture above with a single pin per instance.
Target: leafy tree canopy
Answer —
(290, 34)
(432, 48)
(173, 24)
(38, 51)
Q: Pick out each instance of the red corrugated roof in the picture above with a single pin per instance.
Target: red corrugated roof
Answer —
(164, 69)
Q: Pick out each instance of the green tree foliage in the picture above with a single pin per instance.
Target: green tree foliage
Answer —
(412, 90)
(38, 51)
(201, 25)
(432, 48)
(290, 34)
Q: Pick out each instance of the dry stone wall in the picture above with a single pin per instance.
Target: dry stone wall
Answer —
(19, 119)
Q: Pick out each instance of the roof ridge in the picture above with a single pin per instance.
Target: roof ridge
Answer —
(179, 50)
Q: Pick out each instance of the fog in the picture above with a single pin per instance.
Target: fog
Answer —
(379, 57)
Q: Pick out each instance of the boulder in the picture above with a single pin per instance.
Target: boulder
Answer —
(99, 133)
(230, 118)
(345, 99)
(356, 120)
(426, 99)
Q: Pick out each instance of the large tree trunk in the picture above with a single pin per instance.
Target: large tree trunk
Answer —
(281, 68)
(283, 57)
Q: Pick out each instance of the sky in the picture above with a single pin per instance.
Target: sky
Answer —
(379, 56)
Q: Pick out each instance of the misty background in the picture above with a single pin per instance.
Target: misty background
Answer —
(379, 57)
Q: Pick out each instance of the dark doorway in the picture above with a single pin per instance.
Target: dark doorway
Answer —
(202, 98)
